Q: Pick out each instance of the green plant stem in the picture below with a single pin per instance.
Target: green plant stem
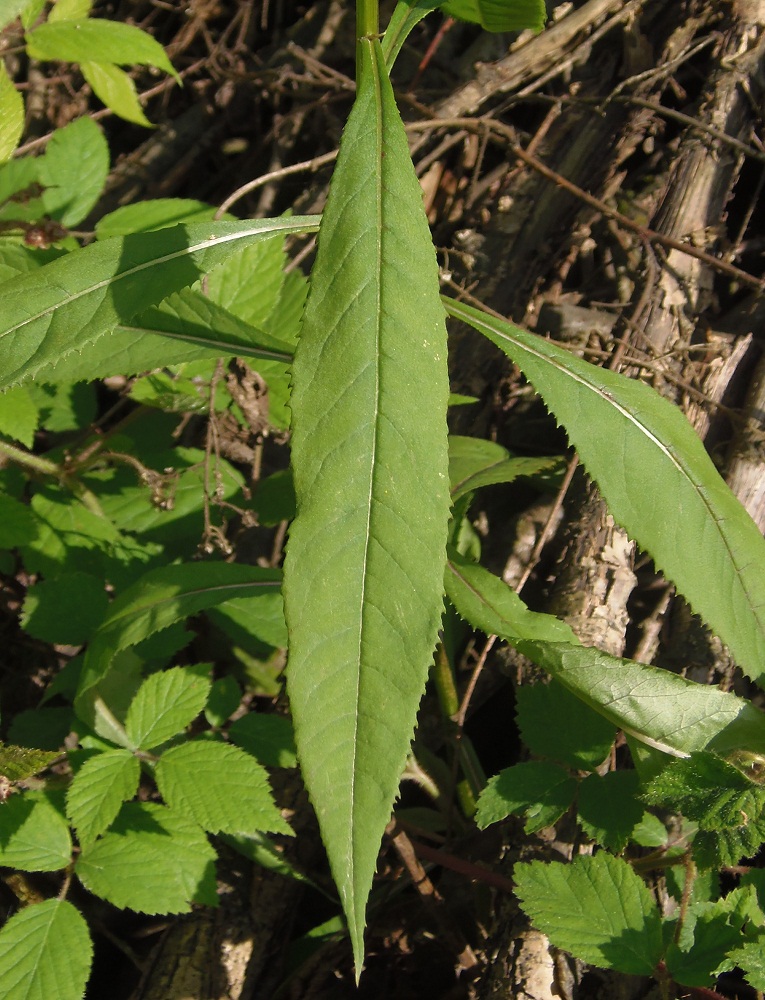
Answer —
(443, 678)
(33, 462)
(367, 18)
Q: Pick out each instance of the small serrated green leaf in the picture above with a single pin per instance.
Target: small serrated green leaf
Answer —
(707, 789)
(751, 958)
(34, 836)
(537, 789)
(19, 415)
(165, 704)
(45, 952)
(17, 763)
(91, 40)
(116, 89)
(17, 523)
(609, 808)
(74, 171)
(98, 790)
(221, 787)
(596, 908)
(710, 932)
(70, 10)
(225, 697)
(11, 115)
(161, 598)
(151, 860)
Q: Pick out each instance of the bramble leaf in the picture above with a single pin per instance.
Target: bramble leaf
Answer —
(151, 860)
(116, 89)
(554, 723)
(537, 789)
(220, 787)
(11, 114)
(596, 908)
(97, 40)
(160, 598)
(474, 462)
(164, 705)
(45, 951)
(609, 809)
(98, 790)
(34, 836)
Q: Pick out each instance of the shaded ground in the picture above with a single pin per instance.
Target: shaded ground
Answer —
(600, 184)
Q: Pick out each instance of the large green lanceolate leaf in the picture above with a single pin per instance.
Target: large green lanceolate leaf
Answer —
(65, 307)
(656, 707)
(365, 559)
(159, 599)
(658, 481)
(499, 15)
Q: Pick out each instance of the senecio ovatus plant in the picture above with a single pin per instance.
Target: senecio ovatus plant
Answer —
(368, 558)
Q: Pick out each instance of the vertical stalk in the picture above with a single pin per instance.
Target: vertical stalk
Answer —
(367, 18)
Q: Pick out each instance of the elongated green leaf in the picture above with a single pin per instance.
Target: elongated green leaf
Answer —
(65, 307)
(596, 908)
(406, 16)
(10, 9)
(365, 559)
(161, 598)
(474, 462)
(45, 952)
(98, 790)
(499, 15)
(658, 708)
(97, 40)
(658, 482)
(490, 605)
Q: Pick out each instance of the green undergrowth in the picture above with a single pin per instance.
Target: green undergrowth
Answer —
(144, 755)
